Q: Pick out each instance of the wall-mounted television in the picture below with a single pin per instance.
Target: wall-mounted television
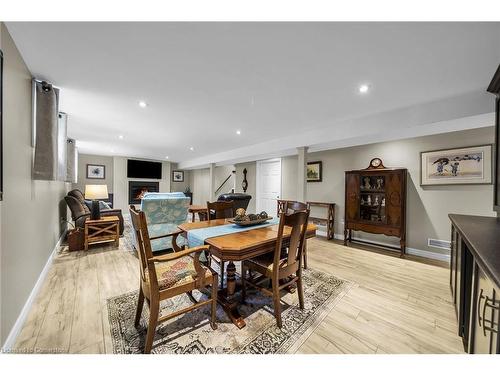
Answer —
(143, 169)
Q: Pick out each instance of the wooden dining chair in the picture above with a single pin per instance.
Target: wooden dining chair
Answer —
(287, 207)
(284, 266)
(166, 276)
(219, 210)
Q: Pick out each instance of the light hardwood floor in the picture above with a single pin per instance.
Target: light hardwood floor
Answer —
(396, 305)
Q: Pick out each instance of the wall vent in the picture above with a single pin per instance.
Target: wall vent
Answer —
(440, 244)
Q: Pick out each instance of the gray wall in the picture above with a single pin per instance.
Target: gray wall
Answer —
(83, 160)
(31, 210)
(179, 186)
(427, 207)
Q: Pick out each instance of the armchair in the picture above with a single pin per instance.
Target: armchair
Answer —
(164, 212)
(79, 210)
(166, 276)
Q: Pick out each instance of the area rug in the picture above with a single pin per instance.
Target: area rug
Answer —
(191, 333)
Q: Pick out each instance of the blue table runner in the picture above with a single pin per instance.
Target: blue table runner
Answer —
(197, 237)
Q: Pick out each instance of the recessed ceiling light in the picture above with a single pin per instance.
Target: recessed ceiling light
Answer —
(112, 150)
(191, 148)
(120, 136)
(166, 157)
(238, 132)
(363, 89)
(143, 104)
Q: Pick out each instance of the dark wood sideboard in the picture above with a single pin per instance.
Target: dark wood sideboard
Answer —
(475, 281)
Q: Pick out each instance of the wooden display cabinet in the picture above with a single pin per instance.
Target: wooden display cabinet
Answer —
(375, 202)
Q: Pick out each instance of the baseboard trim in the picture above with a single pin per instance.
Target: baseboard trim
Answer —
(409, 250)
(21, 319)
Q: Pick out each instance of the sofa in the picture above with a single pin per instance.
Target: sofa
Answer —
(240, 200)
(80, 211)
(164, 212)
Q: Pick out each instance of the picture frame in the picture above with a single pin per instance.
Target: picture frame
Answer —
(96, 171)
(470, 165)
(178, 176)
(314, 171)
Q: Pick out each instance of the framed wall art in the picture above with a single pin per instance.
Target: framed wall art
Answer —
(96, 171)
(315, 171)
(178, 176)
(456, 166)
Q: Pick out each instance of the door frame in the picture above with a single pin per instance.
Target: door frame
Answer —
(258, 180)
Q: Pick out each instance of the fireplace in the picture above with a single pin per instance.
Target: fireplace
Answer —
(136, 190)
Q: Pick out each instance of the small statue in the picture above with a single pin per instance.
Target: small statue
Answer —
(383, 202)
(376, 201)
(369, 202)
(362, 200)
(380, 183)
(367, 183)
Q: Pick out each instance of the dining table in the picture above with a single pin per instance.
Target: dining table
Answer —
(237, 247)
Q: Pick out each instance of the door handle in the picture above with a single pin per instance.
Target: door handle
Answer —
(494, 305)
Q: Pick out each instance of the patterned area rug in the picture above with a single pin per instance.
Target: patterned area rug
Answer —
(191, 333)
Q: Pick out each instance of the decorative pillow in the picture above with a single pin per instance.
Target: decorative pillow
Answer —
(102, 205)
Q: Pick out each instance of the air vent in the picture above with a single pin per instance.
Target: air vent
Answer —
(440, 244)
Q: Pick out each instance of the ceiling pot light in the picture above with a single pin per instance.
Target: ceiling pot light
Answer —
(143, 104)
(166, 157)
(191, 148)
(363, 89)
(120, 136)
(238, 132)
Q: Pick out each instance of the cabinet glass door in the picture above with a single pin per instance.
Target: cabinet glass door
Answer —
(372, 202)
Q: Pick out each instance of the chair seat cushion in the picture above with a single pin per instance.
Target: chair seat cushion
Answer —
(176, 272)
(264, 263)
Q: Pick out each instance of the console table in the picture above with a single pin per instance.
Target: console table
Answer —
(327, 221)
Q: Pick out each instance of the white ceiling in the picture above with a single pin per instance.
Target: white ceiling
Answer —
(272, 81)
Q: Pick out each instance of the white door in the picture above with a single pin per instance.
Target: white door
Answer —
(268, 185)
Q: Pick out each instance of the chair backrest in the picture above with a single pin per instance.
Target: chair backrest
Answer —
(297, 222)
(165, 210)
(140, 228)
(220, 210)
(289, 207)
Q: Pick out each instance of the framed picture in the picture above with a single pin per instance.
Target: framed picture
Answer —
(456, 166)
(96, 171)
(178, 176)
(315, 171)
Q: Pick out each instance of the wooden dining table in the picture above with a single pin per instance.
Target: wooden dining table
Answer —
(236, 247)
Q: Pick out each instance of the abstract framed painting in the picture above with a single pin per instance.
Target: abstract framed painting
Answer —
(96, 171)
(457, 166)
(178, 176)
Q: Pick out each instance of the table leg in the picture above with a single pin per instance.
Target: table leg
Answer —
(86, 243)
(117, 240)
(227, 297)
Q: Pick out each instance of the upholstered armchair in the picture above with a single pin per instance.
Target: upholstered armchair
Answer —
(79, 210)
(164, 212)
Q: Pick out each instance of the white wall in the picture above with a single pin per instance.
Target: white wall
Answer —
(221, 173)
(120, 181)
(31, 212)
(83, 160)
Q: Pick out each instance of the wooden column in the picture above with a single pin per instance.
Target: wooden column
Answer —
(301, 174)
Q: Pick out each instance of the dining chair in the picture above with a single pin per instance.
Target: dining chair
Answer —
(219, 210)
(288, 206)
(284, 266)
(167, 276)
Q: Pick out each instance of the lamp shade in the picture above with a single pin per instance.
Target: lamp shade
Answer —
(96, 191)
